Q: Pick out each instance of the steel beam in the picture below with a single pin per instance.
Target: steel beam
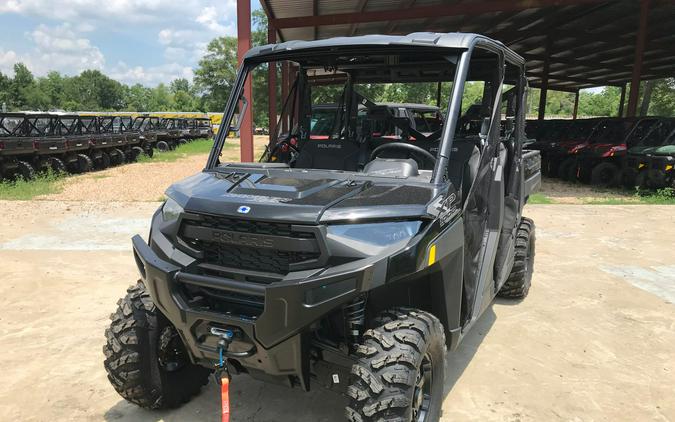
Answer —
(639, 52)
(243, 45)
(422, 12)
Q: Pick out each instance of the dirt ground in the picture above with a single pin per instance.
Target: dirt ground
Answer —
(140, 181)
(561, 192)
(593, 341)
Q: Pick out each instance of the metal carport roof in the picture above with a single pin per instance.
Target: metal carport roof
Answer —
(577, 43)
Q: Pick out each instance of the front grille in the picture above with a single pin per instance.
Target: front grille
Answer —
(253, 257)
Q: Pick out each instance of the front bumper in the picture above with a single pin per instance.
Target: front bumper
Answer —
(272, 343)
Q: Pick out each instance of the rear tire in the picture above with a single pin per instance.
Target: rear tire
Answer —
(84, 164)
(400, 372)
(605, 175)
(57, 165)
(518, 284)
(116, 157)
(628, 177)
(642, 180)
(162, 146)
(568, 170)
(145, 358)
(137, 152)
(25, 170)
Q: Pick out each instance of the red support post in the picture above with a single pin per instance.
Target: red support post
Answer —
(637, 64)
(243, 45)
(576, 105)
(622, 100)
(284, 93)
(272, 85)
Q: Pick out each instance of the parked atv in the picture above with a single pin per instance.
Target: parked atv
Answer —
(16, 149)
(606, 135)
(660, 172)
(558, 140)
(351, 268)
(636, 166)
(600, 161)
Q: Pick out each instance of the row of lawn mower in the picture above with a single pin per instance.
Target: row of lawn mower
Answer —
(607, 152)
(37, 142)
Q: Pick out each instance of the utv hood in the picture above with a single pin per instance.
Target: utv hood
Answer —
(641, 150)
(665, 150)
(306, 197)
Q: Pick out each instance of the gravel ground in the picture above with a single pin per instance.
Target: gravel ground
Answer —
(593, 341)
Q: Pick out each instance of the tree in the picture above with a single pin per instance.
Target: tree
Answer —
(161, 99)
(21, 83)
(137, 98)
(215, 74)
(180, 84)
(663, 98)
(95, 91)
(5, 84)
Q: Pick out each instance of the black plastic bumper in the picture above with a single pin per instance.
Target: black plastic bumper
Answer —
(271, 343)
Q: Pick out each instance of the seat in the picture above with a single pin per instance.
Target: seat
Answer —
(329, 155)
(463, 165)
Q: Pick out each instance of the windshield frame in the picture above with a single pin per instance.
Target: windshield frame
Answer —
(451, 116)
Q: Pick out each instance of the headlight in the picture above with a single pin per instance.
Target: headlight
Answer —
(374, 235)
(171, 210)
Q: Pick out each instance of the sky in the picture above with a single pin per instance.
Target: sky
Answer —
(133, 41)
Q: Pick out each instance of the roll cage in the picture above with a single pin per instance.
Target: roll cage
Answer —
(462, 51)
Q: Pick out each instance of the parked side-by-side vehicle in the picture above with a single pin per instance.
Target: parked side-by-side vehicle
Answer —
(355, 262)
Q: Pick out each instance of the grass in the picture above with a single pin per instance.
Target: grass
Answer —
(665, 196)
(196, 147)
(539, 199)
(22, 190)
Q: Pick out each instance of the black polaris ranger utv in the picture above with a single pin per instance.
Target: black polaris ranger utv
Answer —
(15, 147)
(356, 262)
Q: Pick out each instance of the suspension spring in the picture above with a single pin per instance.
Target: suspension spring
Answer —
(355, 318)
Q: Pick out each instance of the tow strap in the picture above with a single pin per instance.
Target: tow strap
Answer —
(222, 373)
(225, 396)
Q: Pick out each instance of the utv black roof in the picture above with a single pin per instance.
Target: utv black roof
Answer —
(454, 40)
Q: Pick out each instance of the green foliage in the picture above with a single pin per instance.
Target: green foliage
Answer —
(216, 72)
(21, 190)
(198, 146)
(92, 91)
(539, 198)
(663, 98)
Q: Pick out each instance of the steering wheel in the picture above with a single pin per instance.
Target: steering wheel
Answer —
(409, 147)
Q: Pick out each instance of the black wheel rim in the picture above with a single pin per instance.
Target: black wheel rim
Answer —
(422, 394)
(171, 352)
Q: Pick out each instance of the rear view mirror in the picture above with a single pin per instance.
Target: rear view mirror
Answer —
(240, 118)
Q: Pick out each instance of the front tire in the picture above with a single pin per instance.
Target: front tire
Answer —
(400, 372)
(605, 175)
(518, 284)
(145, 358)
(568, 169)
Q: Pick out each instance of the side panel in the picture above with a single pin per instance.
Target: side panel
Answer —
(531, 172)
